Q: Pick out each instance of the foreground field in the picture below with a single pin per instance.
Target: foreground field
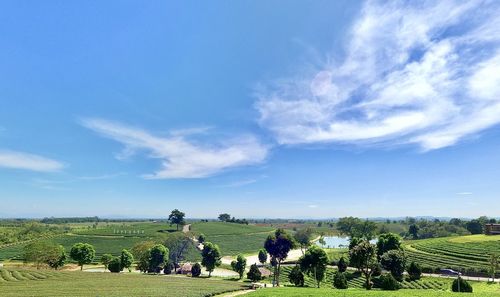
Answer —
(45, 283)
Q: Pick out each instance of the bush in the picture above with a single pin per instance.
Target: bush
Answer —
(464, 286)
(196, 270)
(339, 280)
(168, 268)
(377, 270)
(115, 265)
(414, 271)
(254, 273)
(342, 265)
(296, 277)
(389, 283)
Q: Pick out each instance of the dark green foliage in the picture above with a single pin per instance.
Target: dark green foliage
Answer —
(176, 217)
(46, 253)
(82, 253)
(413, 231)
(355, 227)
(126, 259)
(224, 217)
(105, 259)
(196, 270)
(303, 237)
(365, 256)
(239, 265)
(201, 238)
(474, 227)
(56, 257)
(342, 264)
(414, 271)
(296, 277)
(168, 267)
(262, 256)
(461, 285)
(314, 263)
(278, 246)
(210, 257)
(387, 242)
(254, 273)
(389, 283)
(158, 256)
(376, 269)
(394, 261)
(339, 280)
(115, 265)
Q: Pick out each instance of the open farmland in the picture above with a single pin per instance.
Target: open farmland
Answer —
(470, 254)
(45, 283)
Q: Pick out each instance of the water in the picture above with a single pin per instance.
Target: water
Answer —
(337, 242)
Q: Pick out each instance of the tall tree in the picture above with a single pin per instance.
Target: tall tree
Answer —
(314, 262)
(278, 246)
(395, 262)
(142, 252)
(239, 265)
(387, 242)
(342, 264)
(224, 217)
(178, 245)
(474, 227)
(303, 238)
(82, 253)
(262, 256)
(346, 225)
(413, 231)
(494, 264)
(126, 259)
(366, 255)
(177, 217)
(210, 257)
(158, 256)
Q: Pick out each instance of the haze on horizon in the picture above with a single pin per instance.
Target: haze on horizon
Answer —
(310, 110)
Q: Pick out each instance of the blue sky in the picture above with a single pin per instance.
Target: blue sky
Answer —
(256, 108)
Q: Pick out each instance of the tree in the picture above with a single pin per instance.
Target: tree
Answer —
(303, 238)
(196, 270)
(365, 230)
(413, 231)
(239, 265)
(461, 285)
(142, 252)
(494, 263)
(387, 242)
(342, 264)
(296, 276)
(115, 265)
(56, 257)
(126, 259)
(365, 254)
(389, 283)
(210, 257)
(82, 253)
(339, 280)
(224, 217)
(414, 271)
(278, 245)
(176, 217)
(314, 263)
(474, 227)
(394, 261)
(201, 238)
(158, 256)
(262, 256)
(178, 245)
(254, 273)
(169, 266)
(346, 225)
(40, 252)
(105, 259)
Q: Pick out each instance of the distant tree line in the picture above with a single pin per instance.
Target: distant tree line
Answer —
(225, 217)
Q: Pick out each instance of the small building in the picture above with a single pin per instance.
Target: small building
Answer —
(264, 272)
(492, 229)
(185, 268)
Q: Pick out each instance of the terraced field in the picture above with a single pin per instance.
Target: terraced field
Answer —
(80, 284)
(469, 254)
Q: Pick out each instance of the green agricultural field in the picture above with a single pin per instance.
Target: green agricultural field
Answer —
(141, 229)
(233, 238)
(468, 254)
(80, 284)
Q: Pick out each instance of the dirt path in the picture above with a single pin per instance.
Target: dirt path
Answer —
(186, 228)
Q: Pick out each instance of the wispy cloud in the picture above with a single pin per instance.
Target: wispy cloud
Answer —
(180, 157)
(464, 193)
(25, 161)
(102, 176)
(239, 183)
(414, 72)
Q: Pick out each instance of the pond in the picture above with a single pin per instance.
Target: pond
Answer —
(337, 242)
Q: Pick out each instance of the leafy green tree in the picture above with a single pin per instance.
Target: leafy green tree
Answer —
(414, 271)
(56, 257)
(201, 238)
(239, 265)
(254, 273)
(474, 227)
(178, 245)
(158, 256)
(126, 259)
(210, 257)
(461, 285)
(196, 270)
(177, 217)
(494, 263)
(303, 238)
(262, 256)
(278, 246)
(105, 259)
(82, 253)
(296, 276)
(169, 266)
(342, 264)
(40, 252)
(314, 263)
(346, 225)
(387, 242)
(142, 252)
(413, 231)
(394, 261)
(339, 280)
(365, 230)
(224, 217)
(365, 255)
(115, 265)
(389, 283)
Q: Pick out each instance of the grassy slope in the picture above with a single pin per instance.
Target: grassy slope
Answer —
(108, 284)
(233, 238)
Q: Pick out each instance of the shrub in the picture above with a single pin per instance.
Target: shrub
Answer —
(339, 280)
(296, 277)
(254, 273)
(115, 265)
(342, 265)
(461, 285)
(389, 283)
(196, 270)
(377, 270)
(414, 271)
(168, 268)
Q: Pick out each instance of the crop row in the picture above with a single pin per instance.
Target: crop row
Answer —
(24, 275)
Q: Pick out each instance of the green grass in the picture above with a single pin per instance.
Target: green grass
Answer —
(142, 229)
(233, 238)
(81, 284)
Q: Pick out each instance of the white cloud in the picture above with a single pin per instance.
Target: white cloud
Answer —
(464, 193)
(414, 72)
(18, 160)
(180, 157)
